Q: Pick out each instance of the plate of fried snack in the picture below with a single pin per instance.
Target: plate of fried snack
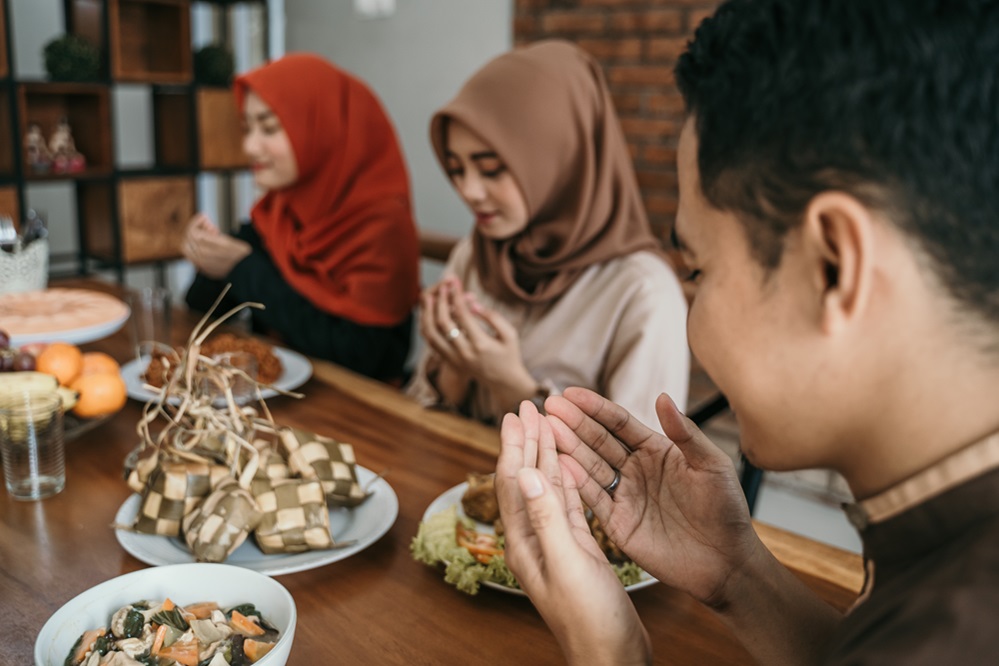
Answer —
(276, 370)
(462, 530)
(225, 482)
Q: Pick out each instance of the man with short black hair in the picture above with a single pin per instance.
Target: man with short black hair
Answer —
(839, 211)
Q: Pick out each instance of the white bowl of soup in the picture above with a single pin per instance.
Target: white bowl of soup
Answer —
(186, 585)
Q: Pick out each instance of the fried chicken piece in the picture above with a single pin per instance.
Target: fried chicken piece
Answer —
(610, 548)
(479, 501)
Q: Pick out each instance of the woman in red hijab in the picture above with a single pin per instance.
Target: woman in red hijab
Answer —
(331, 250)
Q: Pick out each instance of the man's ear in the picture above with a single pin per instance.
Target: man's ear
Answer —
(839, 232)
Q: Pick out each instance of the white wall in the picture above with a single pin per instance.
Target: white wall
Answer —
(415, 60)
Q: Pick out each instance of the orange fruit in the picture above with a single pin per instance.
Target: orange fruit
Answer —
(99, 363)
(100, 394)
(62, 360)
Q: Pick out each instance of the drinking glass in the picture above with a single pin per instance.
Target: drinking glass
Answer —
(242, 383)
(150, 320)
(31, 445)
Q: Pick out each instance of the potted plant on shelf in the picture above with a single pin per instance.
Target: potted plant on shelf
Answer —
(72, 58)
(213, 65)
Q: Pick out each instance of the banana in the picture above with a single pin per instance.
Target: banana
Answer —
(27, 382)
(15, 383)
(69, 398)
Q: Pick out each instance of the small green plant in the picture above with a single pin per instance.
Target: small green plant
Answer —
(213, 65)
(72, 58)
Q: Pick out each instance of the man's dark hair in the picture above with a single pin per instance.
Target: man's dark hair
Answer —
(893, 101)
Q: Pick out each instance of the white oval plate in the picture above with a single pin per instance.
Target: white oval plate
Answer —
(296, 370)
(452, 497)
(363, 525)
(117, 314)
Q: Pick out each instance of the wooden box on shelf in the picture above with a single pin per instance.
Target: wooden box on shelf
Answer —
(87, 19)
(152, 212)
(8, 203)
(85, 106)
(150, 40)
(219, 134)
(172, 127)
(219, 130)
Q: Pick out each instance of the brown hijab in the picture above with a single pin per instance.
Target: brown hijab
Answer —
(546, 111)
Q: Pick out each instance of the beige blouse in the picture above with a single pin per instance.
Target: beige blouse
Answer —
(620, 330)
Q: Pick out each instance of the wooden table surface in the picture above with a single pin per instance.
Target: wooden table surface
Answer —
(378, 606)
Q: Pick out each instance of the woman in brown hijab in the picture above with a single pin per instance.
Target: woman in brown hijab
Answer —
(561, 282)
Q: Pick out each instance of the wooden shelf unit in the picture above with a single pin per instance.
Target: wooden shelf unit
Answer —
(125, 216)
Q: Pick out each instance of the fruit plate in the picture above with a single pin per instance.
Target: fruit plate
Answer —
(73, 426)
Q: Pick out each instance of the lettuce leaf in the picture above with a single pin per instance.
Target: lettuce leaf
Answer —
(435, 543)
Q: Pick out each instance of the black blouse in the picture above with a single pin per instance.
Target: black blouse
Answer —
(375, 351)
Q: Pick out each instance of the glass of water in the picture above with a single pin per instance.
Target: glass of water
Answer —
(31, 445)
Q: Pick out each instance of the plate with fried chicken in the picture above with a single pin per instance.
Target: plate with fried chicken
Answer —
(278, 369)
(462, 530)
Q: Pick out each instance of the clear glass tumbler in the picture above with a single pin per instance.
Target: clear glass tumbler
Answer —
(31, 445)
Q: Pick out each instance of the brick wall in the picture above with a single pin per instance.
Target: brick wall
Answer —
(637, 42)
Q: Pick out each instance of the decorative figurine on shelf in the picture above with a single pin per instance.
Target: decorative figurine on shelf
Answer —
(36, 154)
(65, 157)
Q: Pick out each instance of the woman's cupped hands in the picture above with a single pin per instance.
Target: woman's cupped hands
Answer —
(477, 342)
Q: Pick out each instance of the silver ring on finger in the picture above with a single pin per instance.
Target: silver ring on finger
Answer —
(454, 333)
(612, 486)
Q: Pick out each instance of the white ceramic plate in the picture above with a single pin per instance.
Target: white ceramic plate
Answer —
(184, 583)
(116, 316)
(452, 497)
(296, 371)
(363, 525)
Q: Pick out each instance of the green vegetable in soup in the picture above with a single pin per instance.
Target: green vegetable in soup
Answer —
(171, 618)
(104, 644)
(147, 659)
(72, 652)
(132, 626)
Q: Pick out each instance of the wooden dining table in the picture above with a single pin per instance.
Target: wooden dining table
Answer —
(378, 606)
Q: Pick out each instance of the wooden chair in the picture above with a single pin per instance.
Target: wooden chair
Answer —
(436, 246)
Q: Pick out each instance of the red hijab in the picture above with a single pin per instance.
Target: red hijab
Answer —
(342, 234)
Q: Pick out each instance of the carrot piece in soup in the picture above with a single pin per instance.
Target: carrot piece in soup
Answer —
(158, 640)
(203, 610)
(255, 650)
(182, 653)
(245, 625)
(87, 643)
